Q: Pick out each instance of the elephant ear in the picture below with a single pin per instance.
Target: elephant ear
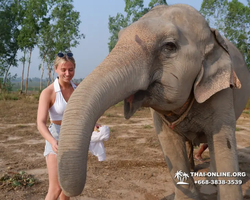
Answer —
(217, 71)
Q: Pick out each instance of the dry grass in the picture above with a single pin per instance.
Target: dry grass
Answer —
(22, 109)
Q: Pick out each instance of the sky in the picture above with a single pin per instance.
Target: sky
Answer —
(93, 49)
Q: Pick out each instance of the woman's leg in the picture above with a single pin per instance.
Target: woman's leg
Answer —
(54, 187)
(63, 197)
(202, 149)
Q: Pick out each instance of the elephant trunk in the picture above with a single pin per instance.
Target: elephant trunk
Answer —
(115, 79)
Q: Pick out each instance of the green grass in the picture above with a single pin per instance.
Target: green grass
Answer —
(109, 115)
(4, 96)
(22, 126)
(32, 86)
(238, 129)
(112, 130)
(9, 96)
(121, 103)
(147, 126)
(248, 104)
(112, 115)
(246, 112)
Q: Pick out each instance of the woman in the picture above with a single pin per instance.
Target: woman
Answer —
(53, 100)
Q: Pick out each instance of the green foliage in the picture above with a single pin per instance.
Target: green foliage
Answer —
(238, 27)
(59, 32)
(32, 15)
(6, 84)
(8, 41)
(154, 3)
(66, 26)
(134, 10)
(215, 11)
(20, 179)
(33, 12)
(115, 25)
(231, 18)
(52, 25)
(9, 96)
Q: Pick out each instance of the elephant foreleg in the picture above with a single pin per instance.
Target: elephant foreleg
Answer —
(174, 149)
(190, 153)
(223, 147)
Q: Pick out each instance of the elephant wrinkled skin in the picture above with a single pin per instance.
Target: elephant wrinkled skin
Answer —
(195, 81)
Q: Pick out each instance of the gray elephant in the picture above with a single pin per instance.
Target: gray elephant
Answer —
(195, 81)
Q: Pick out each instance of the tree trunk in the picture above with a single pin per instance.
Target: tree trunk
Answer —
(41, 80)
(49, 71)
(53, 75)
(7, 71)
(24, 60)
(27, 78)
(5, 76)
(0, 85)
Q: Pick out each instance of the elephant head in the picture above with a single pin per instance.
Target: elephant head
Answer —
(158, 62)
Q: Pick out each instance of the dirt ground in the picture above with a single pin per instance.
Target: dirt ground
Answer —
(134, 168)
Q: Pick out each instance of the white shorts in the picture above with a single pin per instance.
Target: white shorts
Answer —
(54, 129)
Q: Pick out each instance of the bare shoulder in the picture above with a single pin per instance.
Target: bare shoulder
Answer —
(47, 93)
(48, 90)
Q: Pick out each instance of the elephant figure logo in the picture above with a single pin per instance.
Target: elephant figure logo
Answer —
(181, 176)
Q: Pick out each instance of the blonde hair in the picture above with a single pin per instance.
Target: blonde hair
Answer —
(64, 59)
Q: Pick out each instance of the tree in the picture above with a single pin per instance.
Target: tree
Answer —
(46, 45)
(33, 12)
(215, 12)
(59, 33)
(134, 10)
(66, 26)
(49, 59)
(53, 25)
(232, 19)
(238, 27)
(8, 41)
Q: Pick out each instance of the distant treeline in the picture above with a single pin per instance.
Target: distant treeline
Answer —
(35, 79)
(34, 83)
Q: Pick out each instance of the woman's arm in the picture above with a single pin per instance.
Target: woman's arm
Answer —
(42, 114)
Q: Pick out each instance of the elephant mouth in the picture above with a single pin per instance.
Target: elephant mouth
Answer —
(135, 101)
(142, 98)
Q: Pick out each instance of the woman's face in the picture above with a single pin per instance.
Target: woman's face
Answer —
(65, 71)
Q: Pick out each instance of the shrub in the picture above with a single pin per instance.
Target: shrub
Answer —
(9, 96)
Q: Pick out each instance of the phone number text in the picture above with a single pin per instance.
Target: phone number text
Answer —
(218, 182)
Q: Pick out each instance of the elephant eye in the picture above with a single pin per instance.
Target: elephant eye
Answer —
(169, 47)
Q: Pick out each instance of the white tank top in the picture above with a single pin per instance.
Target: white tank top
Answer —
(57, 109)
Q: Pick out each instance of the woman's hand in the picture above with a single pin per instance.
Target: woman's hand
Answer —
(54, 145)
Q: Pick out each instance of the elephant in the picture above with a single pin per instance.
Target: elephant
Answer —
(194, 80)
